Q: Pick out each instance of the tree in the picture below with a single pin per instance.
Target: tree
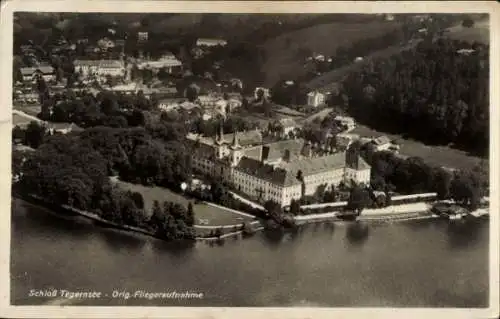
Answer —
(35, 134)
(192, 92)
(18, 134)
(138, 199)
(190, 215)
(358, 199)
(294, 207)
(468, 22)
(442, 181)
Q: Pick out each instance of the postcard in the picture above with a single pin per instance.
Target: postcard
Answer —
(222, 159)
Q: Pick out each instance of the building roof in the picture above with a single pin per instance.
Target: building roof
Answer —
(287, 174)
(99, 63)
(262, 171)
(64, 126)
(314, 165)
(206, 41)
(45, 69)
(287, 122)
(381, 140)
(276, 150)
(357, 163)
(247, 138)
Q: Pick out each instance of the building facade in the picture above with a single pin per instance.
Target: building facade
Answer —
(315, 98)
(278, 171)
(88, 68)
(31, 74)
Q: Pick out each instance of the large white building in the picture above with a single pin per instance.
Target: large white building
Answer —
(99, 67)
(278, 171)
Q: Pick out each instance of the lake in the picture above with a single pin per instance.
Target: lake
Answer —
(407, 264)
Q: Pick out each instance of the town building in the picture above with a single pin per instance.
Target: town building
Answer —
(381, 143)
(210, 42)
(285, 126)
(168, 62)
(62, 128)
(142, 36)
(88, 68)
(348, 122)
(344, 140)
(260, 90)
(315, 98)
(105, 43)
(278, 171)
(31, 74)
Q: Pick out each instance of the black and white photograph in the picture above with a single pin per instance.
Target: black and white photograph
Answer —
(213, 158)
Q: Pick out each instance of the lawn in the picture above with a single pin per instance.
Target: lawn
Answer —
(212, 215)
(479, 32)
(284, 60)
(436, 155)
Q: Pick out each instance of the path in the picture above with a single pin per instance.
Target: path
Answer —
(384, 212)
(248, 202)
(23, 114)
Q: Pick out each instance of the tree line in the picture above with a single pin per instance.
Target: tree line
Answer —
(412, 175)
(432, 86)
(74, 170)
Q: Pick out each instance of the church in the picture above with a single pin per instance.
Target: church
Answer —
(279, 171)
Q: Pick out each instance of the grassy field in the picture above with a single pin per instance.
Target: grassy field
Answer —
(283, 53)
(20, 120)
(436, 155)
(479, 32)
(29, 109)
(214, 216)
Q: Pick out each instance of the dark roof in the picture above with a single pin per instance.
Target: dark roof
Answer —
(287, 176)
(262, 171)
(314, 165)
(358, 163)
(245, 138)
(276, 150)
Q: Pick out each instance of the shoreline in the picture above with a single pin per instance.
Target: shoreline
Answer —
(99, 221)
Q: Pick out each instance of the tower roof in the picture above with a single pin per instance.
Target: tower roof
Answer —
(219, 139)
(235, 143)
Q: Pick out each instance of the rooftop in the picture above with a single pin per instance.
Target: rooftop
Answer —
(99, 63)
(45, 69)
(381, 140)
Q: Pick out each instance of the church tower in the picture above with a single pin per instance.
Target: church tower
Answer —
(221, 147)
(236, 151)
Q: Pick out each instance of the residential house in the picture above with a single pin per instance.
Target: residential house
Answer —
(88, 68)
(31, 74)
(210, 42)
(344, 140)
(285, 126)
(383, 143)
(346, 121)
(142, 36)
(63, 128)
(167, 62)
(265, 92)
(315, 98)
(105, 43)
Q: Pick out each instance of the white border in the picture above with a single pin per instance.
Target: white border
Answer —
(9, 7)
